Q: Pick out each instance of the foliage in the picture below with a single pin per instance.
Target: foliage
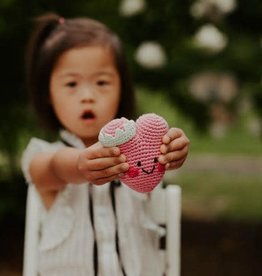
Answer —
(170, 24)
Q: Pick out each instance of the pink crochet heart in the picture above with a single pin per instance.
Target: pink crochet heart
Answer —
(140, 141)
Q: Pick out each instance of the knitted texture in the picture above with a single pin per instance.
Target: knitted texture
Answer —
(140, 142)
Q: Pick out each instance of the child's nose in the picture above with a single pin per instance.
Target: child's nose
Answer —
(87, 94)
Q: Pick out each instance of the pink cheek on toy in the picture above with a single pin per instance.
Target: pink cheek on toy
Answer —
(160, 167)
(133, 172)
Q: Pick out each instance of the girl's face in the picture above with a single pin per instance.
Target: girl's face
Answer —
(85, 90)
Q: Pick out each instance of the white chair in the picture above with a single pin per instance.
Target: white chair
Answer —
(32, 228)
(166, 211)
(165, 208)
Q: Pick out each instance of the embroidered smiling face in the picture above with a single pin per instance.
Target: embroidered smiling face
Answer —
(134, 171)
(139, 164)
(140, 141)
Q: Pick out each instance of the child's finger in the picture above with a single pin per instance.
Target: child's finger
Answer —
(174, 145)
(98, 151)
(173, 156)
(172, 134)
(107, 174)
(103, 163)
(175, 164)
(104, 180)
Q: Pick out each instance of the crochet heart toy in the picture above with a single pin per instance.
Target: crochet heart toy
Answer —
(140, 142)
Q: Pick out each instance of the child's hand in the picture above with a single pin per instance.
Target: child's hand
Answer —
(99, 165)
(174, 148)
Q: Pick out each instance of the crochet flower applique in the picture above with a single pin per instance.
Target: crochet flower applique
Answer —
(140, 142)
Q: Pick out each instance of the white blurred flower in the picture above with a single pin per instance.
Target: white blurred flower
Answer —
(217, 90)
(213, 86)
(131, 7)
(150, 55)
(199, 8)
(211, 38)
(225, 6)
(212, 8)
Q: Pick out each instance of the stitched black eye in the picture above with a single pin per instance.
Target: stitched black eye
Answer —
(155, 160)
(139, 164)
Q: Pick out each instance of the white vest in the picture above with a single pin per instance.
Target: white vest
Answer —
(70, 230)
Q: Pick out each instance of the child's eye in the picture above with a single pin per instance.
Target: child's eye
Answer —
(102, 82)
(71, 84)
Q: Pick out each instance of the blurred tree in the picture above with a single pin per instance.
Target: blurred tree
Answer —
(173, 26)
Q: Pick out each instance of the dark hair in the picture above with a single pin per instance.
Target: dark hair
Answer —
(53, 36)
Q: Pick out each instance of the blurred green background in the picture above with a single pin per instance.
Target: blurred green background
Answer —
(195, 62)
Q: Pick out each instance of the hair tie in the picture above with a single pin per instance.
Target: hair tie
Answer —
(61, 20)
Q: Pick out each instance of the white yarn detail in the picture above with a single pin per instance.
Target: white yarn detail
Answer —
(120, 136)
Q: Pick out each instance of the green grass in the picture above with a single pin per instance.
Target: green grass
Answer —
(214, 195)
(233, 143)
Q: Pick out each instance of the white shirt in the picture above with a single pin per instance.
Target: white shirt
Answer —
(66, 243)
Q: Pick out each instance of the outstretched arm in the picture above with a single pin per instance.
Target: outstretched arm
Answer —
(96, 164)
(174, 149)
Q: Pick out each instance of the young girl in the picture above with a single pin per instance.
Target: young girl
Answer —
(92, 225)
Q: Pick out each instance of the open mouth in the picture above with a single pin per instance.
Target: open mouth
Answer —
(88, 115)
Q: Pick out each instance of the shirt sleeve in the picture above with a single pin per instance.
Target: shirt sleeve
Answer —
(34, 147)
